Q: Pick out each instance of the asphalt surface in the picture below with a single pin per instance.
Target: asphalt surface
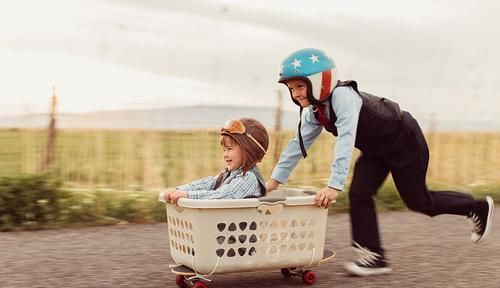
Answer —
(423, 251)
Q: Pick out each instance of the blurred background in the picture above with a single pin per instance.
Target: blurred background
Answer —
(434, 57)
(129, 95)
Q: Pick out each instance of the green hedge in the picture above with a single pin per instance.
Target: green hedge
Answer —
(40, 202)
(30, 202)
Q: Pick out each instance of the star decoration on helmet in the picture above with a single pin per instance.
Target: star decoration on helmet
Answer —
(296, 63)
(314, 58)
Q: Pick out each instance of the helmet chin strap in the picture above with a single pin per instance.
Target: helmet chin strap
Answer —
(301, 142)
(310, 95)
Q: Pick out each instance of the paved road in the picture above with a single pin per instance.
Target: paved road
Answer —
(425, 252)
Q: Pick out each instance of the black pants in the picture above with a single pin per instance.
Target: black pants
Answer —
(407, 160)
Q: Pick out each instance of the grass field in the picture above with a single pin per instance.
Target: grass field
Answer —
(114, 176)
(150, 160)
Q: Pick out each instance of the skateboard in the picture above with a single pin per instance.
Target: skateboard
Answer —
(187, 277)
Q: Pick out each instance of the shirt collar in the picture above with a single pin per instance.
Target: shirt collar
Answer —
(236, 171)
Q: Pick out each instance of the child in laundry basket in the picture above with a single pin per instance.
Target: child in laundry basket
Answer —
(244, 143)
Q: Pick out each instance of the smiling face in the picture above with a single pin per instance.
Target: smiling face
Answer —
(298, 89)
(232, 153)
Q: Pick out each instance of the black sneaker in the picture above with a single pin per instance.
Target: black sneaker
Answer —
(369, 263)
(481, 218)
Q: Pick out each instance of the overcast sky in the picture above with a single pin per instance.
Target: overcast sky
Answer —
(433, 57)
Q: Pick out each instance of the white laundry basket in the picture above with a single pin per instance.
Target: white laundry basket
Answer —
(220, 236)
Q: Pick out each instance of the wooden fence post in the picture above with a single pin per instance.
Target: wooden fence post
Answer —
(48, 157)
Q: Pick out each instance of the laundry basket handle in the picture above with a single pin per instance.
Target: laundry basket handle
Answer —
(310, 192)
(272, 199)
(271, 205)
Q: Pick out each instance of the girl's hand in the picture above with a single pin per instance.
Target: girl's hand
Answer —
(176, 195)
(164, 195)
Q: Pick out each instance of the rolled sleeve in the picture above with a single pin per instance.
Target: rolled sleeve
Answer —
(206, 183)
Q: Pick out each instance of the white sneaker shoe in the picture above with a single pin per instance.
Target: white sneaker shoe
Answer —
(481, 218)
(369, 263)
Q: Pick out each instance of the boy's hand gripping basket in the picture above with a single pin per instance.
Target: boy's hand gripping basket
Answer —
(220, 236)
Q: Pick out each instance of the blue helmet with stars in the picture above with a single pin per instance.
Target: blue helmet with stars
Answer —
(316, 68)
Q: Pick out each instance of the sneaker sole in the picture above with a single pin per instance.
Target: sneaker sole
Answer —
(491, 206)
(354, 270)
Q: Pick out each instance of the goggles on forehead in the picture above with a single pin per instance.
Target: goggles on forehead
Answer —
(237, 127)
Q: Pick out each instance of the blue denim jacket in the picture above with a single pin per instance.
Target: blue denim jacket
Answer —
(346, 104)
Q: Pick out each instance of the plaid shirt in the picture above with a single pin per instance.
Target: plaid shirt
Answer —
(236, 186)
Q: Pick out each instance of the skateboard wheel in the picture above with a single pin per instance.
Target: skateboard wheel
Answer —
(286, 272)
(180, 281)
(309, 277)
(199, 284)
